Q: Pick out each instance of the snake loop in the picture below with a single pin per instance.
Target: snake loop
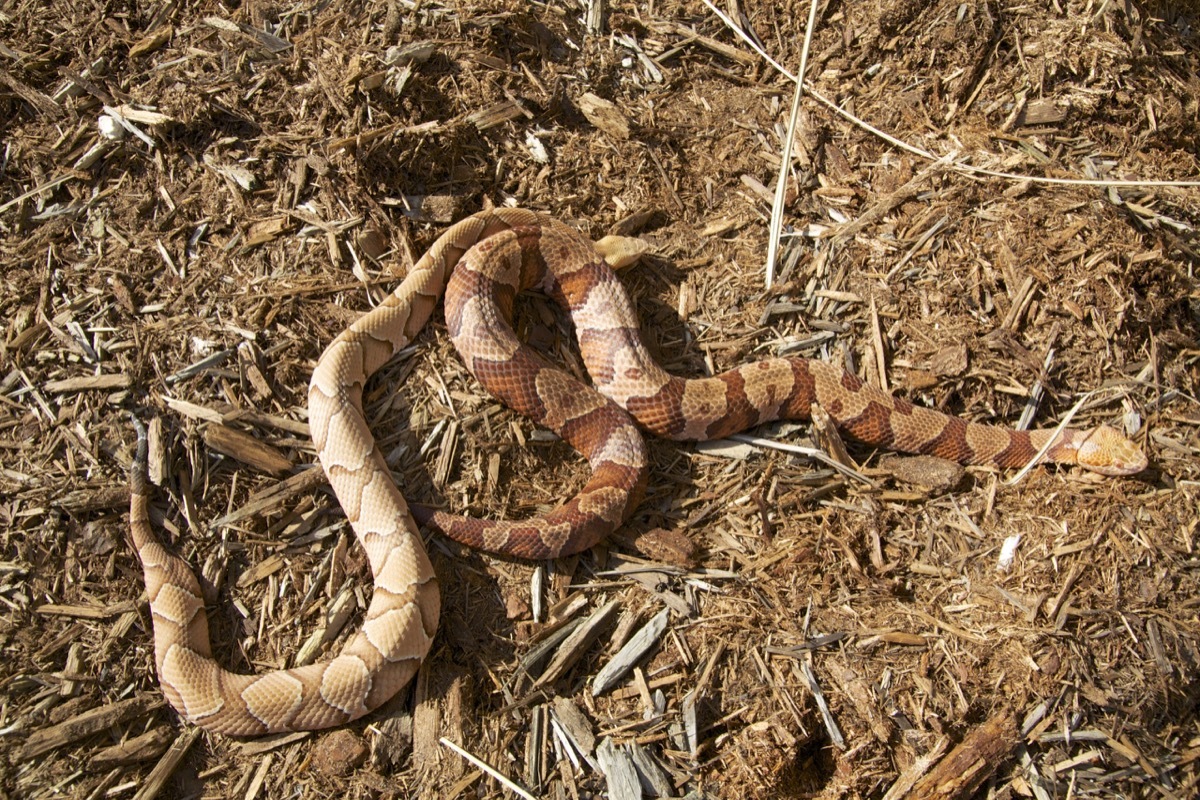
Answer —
(487, 259)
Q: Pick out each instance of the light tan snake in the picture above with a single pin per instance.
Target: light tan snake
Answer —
(487, 259)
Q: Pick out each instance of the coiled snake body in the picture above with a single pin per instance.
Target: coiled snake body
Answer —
(487, 259)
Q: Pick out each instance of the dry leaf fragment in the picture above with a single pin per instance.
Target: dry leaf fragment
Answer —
(418, 52)
(949, 361)
(919, 380)
(338, 753)
(372, 243)
(670, 547)
(939, 475)
(604, 115)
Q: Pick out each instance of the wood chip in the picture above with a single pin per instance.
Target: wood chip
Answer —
(246, 449)
(650, 772)
(85, 612)
(269, 499)
(633, 651)
(575, 725)
(88, 723)
(831, 726)
(151, 744)
(972, 762)
(829, 438)
(575, 645)
(103, 383)
(268, 230)
(620, 775)
(496, 114)
(44, 104)
(166, 766)
(151, 41)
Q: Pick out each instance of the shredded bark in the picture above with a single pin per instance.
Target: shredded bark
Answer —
(196, 197)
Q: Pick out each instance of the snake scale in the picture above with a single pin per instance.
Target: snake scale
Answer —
(481, 263)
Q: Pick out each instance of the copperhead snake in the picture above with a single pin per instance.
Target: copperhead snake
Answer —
(482, 262)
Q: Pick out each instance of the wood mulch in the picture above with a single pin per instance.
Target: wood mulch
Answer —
(196, 196)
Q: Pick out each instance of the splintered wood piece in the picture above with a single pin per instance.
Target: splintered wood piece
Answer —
(878, 348)
(42, 102)
(246, 449)
(637, 646)
(156, 462)
(90, 383)
(257, 747)
(261, 570)
(193, 411)
(151, 41)
(485, 767)
(655, 582)
(72, 667)
(439, 712)
(831, 726)
(495, 114)
(630, 224)
(149, 745)
(715, 45)
(80, 611)
(167, 765)
(546, 646)
(268, 230)
(828, 438)
(82, 501)
(89, 722)
(575, 645)
(1044, 111)
(691, 728)
(915, 771)
(271, 497)
(575, 725)
(447, 456)
(535, 746)
(268, 41)
(972, 762)
(619, 771)
(650, 770)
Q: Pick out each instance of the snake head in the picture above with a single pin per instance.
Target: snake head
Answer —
(620, 252)
(1107, 452)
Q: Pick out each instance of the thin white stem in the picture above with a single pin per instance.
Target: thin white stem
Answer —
(785, 161)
